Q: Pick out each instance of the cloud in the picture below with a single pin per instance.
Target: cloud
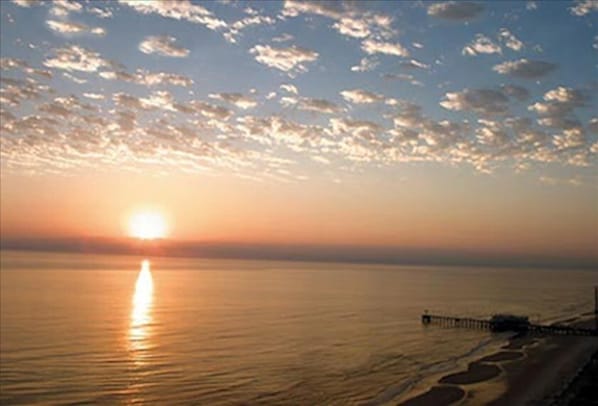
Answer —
(12, 63)
(186, 136)
(15, 91)
(365, 65)
(56, 146)
(314, 105)
(62, 8)
(283, 38)
(559, 102)
(359, 96)
(363, 129)
(492, 134)
(94, 96)
(289, 88)
(234, 29)
(159, 99)
(237, 99)
(73, 78)
(570, 138)
(559, 121)
(558, 106)
(100, 12)
(482, 101)
(360, 25)
(371, 47)
(552, 181)
(566, 95)
(414, 64)
(355, 28)
(275, 129)
(162, 45)
(518, 92)
(526, 69)
(145, 78)
(210, 110)
(319, 106)
(148, 124)
(27, 3)
(64, 107)
(350, 21)
(457, 11)
(76, 58)
(510, 40)
(330, 9)
(410, 115)
(19, 64)
(403, 77)
(481, 45)
(292, 59)
(583, 7)
(122, 99)
(178, 10)
(65, 27)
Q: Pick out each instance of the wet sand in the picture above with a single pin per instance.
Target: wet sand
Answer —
(437, 395)
(535, 369)
(503, 356)
(477, 372)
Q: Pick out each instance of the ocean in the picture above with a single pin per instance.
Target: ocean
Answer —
(78, 328)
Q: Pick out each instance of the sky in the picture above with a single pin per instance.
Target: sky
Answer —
(466, 127)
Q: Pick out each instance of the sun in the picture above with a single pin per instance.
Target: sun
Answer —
(147, 225)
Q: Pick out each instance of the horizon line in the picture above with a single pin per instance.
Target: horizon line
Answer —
(359, 254)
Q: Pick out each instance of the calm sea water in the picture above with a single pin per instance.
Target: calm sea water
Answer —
(107, 329)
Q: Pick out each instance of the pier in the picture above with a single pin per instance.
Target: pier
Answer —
(509, 322)
(500, 323)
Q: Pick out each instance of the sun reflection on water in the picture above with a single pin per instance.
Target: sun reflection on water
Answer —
(141, 315)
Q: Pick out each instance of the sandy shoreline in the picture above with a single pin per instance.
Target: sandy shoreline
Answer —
(527, 370)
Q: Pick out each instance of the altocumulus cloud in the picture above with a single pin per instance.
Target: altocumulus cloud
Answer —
(237, 99)
(308, 104)
(66, 27)
(482, 101)
(526, 69)
(146, 78)
(481, 45)
(583, 7)
(510, 40)
(76, 58)
(178, 10)
(161, 119)
(162, 45)
(291, 59)
(455, 10)
(360, 96)
(371, 47)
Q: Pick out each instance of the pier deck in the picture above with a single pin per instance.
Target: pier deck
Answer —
(467, 322)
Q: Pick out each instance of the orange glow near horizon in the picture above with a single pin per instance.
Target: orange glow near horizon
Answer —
(147, 225)
(421, 214)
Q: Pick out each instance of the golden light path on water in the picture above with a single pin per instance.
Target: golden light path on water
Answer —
(141, 313)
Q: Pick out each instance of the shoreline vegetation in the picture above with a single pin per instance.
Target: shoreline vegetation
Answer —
(528, 369)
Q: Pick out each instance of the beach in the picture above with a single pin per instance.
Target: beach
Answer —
(529, 369)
